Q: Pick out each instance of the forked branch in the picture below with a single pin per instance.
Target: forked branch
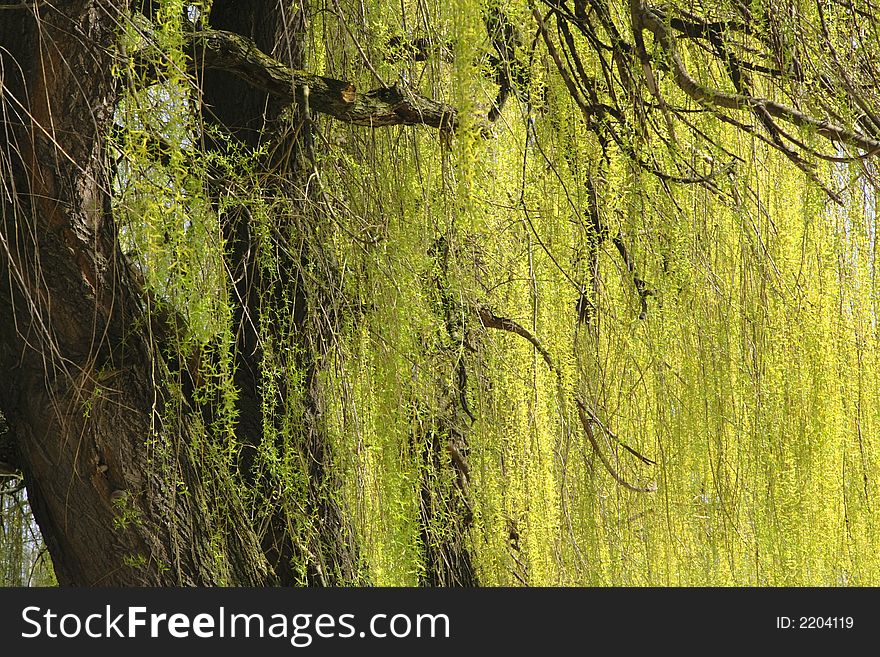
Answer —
(587, 424)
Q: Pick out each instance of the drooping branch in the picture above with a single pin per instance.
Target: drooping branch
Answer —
(717, 99)
(587, 424)
(595, 420)
(600, 117)
(642, 288)
(511, 74)
(491, 320)
(598, 232)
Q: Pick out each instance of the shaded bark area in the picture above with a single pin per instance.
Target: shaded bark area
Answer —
(445, 510)
(307, 537)
(445, 514)
(82, 388)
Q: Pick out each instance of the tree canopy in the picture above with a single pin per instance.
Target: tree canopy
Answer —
(477, 292)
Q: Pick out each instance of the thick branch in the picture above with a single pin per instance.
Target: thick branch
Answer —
(394, 105)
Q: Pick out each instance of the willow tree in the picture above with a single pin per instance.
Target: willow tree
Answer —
(442, 293)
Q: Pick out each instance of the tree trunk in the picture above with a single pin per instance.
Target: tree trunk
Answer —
(308, 539)
(120, 497)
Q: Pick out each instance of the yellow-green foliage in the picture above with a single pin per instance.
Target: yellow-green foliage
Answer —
(752, 381)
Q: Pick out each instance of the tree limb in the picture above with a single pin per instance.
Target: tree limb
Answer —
(588, 429)
(720, 99)
(491, 320)
(394, 105)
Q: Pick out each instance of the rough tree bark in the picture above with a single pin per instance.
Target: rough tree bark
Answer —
(80, 390)
(85, 399)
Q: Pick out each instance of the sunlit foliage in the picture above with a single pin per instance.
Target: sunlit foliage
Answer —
(635, 324)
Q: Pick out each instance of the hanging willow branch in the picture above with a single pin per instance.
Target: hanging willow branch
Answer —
(617, 98)
(397, 104)
(599, 231)
(491, 320)
(655, 20)
(587, 424)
